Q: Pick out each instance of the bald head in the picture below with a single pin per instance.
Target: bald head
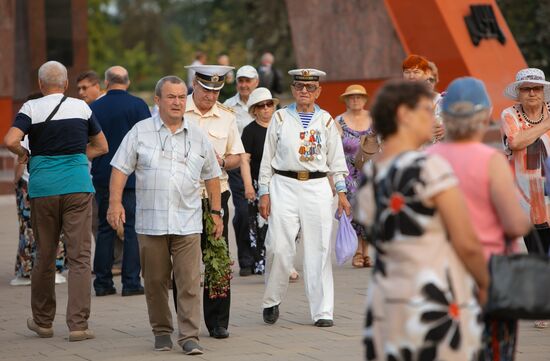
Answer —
(116, 77)
(52, 76)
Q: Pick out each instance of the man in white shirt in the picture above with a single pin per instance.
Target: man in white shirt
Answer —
(169, 156)
(247, 81)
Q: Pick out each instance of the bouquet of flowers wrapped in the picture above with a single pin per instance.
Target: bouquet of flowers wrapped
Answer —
(217, 263)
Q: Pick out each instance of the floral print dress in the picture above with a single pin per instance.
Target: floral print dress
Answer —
(351, 142)
(421, 304)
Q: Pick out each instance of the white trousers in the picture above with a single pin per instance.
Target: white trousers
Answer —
(306, 206)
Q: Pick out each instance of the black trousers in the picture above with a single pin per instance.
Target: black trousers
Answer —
(216, 311)
(240, 219)
(531, 241)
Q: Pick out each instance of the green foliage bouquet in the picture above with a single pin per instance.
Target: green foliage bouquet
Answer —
(217, 263)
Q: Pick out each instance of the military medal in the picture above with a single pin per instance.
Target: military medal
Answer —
(310, 149)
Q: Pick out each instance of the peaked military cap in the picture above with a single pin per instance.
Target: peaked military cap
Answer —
(210, 77)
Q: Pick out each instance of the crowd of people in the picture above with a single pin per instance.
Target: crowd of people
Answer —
(432, 201)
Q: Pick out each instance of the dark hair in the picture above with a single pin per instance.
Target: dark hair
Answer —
(90, 75)
(393, 94)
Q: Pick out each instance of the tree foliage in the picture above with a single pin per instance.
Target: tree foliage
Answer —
(528, 21)
(152, 38)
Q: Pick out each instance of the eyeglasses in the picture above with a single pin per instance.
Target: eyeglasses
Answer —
(527, 89)
(267, 104)
(309, 87)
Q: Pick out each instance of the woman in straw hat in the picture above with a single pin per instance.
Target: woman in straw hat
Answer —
(355, 126)
(526, 137)
(261, 106)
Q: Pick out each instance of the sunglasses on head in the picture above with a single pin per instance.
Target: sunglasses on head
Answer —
(309, 87)
(266, 104)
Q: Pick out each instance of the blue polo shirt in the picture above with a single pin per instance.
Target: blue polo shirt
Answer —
(117, 112)
(58, 163)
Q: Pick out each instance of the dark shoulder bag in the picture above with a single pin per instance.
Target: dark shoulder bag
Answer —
(520, 285)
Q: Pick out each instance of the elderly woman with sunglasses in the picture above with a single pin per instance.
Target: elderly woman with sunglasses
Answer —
(261, 106)
(302, 149)
(526, 136)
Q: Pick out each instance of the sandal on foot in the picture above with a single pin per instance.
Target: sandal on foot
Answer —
(294, 277)
(358, 261)
(367, 261)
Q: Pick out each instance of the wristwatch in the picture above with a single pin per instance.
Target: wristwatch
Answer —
(219, 213)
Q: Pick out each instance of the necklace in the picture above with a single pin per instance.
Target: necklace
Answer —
(533, 122)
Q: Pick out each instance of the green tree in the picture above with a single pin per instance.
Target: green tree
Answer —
(528, 21)
(152, 38)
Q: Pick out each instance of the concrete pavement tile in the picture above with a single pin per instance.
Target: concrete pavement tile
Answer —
(124, 334)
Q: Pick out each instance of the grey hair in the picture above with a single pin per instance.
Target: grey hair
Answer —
(113, 77)
(53, 74)
(460, 128)
(170, 79)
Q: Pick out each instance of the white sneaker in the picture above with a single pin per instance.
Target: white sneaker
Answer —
(59, 278)
(20, 281)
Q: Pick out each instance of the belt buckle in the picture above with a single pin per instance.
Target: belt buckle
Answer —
(302, 175)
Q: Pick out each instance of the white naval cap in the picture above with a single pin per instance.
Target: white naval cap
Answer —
(306, 74)
(247, 71)
(210, 77)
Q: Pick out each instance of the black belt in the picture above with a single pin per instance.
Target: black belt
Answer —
(301, 175)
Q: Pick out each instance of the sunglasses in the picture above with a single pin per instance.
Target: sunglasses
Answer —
(527, 89)
(267, 104)
(309, 87)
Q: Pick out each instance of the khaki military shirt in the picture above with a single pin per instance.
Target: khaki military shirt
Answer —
(220, 125)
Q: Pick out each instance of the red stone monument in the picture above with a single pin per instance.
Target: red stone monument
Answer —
(365, 41)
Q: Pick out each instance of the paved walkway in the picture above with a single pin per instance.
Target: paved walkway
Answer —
(123, 331)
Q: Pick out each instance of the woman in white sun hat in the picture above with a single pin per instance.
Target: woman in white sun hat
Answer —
(261, 106)
(526, 137)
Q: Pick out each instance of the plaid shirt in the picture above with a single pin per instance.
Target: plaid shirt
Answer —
(168, 167)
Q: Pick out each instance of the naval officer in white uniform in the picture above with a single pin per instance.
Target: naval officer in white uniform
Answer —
(302, 149)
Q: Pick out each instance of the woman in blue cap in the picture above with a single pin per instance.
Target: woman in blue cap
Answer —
(488, 185)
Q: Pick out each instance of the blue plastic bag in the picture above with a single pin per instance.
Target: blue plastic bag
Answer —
(346, 239)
